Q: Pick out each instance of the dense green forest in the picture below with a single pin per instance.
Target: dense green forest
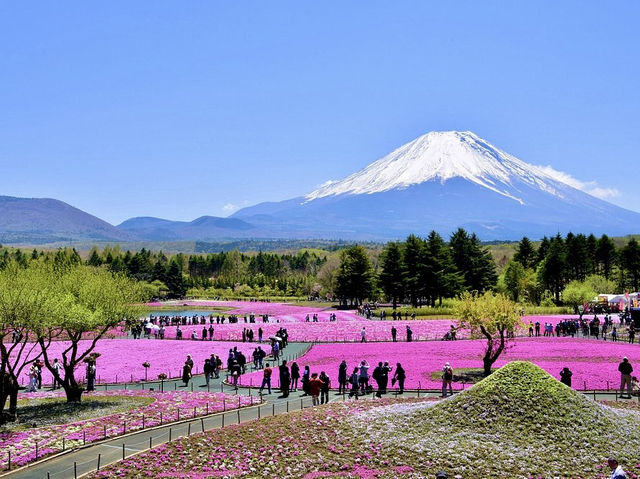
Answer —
(417, 271)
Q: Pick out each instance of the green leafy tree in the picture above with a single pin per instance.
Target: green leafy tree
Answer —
(413, 259)
(577, 293)
(175, 281)
(25, 299)
(89, 303)
(391, 276)
(630, 264)
(441, 277)
(526, 253)
(553, 268)
(492, 316)
(473, 261)
(514, 276)
(355, 278)
(606, 255)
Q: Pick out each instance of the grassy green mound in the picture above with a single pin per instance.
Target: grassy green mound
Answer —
(518, 422)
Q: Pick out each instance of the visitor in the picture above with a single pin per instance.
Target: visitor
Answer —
(266, 379)
(306, 377)
(394, 331)
(399, 376)
(189, 361)
(441, 475)
(342, 377)
(204, 333)
(285, 379)
(616, 469)
(354, 379)
(324, 390)
(39, 365)
(315, 385)
(33, 380)
(565, 376)
(186, 373)
(211, 332)
(178, 333)
(275, 350)
(194, 335)
(207, 369)
(625, 369)
(409, 334)
(216, 363)
(363, 335)
(295, 376)
(447, 377)
(91, 375)
(363, 378)
(377, 377)
(614, 334)
(632, 334)
(57, 367)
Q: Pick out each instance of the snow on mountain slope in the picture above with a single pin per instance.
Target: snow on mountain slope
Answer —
(445, 155)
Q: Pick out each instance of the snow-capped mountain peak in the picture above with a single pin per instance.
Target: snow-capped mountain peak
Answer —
(443, 156)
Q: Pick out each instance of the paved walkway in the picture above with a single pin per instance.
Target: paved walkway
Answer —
(80, 461)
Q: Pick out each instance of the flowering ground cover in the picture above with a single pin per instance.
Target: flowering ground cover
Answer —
(162, 408)
(305, 444)
(593, 362)
(519, 423)
(121, 359)
(338, 331)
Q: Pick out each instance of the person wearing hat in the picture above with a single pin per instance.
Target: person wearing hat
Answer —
(447, 377)
(441, 475)
(625, 369)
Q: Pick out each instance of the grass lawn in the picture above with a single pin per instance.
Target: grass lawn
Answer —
(41, 412)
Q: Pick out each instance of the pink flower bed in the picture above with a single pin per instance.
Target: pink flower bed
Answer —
(121, 359)
(346, 329)
(166, 407)
(242, 307)
(592, 362)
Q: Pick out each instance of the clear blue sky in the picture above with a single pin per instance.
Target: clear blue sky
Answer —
(180, 109)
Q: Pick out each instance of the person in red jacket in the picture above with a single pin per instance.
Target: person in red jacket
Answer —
(315, 385)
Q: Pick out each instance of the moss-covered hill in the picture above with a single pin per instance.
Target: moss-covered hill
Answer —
(518, 423)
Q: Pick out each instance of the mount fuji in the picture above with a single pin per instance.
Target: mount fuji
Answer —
(442, 181)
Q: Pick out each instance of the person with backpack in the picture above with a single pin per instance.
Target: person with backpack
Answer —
(447, 377)
(208, 371)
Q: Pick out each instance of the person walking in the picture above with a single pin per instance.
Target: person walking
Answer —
(377, 377)
(91, 375)
(295, 376)
(306, 377)
(266, 379)
(208, 371)
(57, 367)
(625, 369)
(399, 376)
(447, 377)
(342, 377)
(363, 335)
(394, 331)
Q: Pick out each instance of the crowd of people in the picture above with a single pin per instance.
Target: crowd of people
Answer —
(594, 327)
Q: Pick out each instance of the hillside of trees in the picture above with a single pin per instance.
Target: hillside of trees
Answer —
(417, 271)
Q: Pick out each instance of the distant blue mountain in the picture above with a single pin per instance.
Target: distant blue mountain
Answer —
(203, 229)
(45, 220)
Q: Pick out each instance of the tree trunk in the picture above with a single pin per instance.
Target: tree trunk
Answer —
(74, 393)
(10, 391)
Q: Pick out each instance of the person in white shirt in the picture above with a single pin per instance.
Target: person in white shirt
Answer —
(616, 470)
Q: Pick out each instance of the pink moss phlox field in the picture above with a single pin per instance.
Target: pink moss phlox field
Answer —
(593, 362)
(121, 359)
(307, 444)
(49, 438)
